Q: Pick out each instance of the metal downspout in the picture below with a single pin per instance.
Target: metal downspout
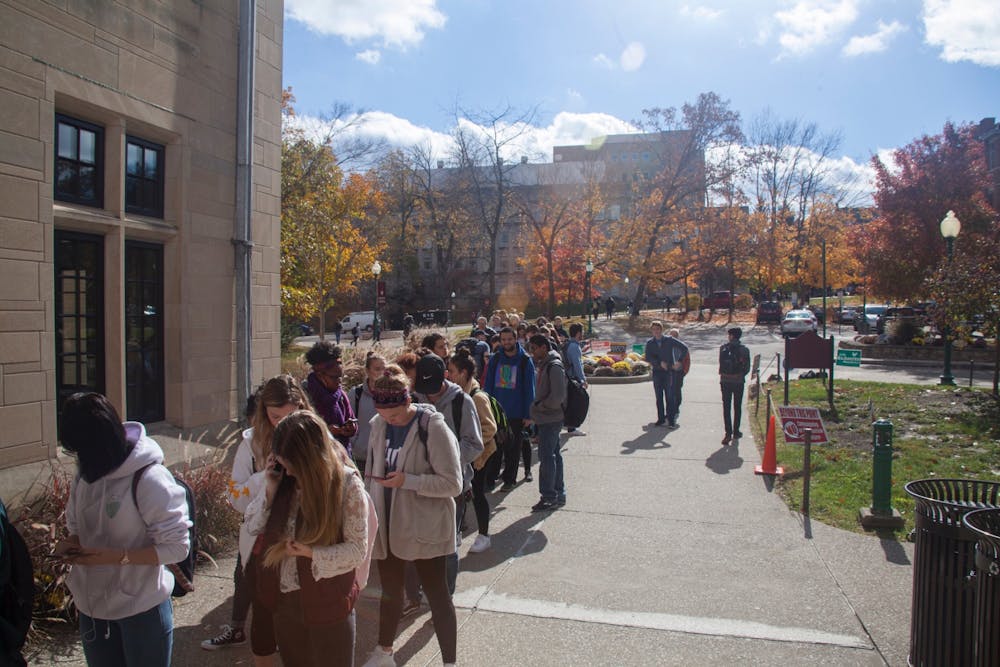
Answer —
(243, 237)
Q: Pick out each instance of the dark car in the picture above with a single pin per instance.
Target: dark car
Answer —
(769, 312)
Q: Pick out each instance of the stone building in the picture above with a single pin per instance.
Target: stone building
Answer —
(138, 250)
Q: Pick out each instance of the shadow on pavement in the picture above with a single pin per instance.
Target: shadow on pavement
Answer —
(724, 459)
(894, 551)
(653, 437)
(514, 540)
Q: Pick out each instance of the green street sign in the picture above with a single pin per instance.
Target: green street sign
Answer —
(848, 357)
(639, 348)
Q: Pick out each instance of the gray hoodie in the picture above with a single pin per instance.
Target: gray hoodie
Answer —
(550, 390)
(470, 440)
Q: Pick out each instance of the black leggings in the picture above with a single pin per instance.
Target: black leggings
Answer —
(432, 577)
(518, 445)
(479, 502)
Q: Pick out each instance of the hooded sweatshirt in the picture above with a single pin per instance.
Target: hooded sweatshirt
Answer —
(505, 382)
(103, 515)
(470, 439)
(365, 413)
(247, 481)
(550, 390)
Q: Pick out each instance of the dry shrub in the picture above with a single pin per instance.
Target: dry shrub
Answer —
(217, 524)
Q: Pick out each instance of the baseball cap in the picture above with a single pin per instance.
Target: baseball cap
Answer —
(430, 374)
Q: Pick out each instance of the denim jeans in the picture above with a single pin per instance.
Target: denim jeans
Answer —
(143, 640)
(550, 463)
(732, 395)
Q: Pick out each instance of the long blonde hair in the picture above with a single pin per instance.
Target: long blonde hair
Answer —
(275, 393)
(302, 439)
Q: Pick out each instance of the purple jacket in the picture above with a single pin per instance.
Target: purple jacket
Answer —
(333, 406)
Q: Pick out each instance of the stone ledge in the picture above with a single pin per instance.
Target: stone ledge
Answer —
(613, 379)
(919, 352)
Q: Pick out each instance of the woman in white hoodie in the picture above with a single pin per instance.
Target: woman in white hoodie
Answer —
(276, 398)
(118, 546)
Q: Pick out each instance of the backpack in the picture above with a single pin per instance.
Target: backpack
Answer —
(734, 360)
(17, 591)
(504, 433)
(183, 571)
(577, 403)
(357, 397)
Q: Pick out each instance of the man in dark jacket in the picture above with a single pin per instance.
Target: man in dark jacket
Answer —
(547, 413)
(510, 377)
(734, 364)
(666, 355)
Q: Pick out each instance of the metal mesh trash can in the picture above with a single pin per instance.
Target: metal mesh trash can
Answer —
(986, 525)
(942, 622)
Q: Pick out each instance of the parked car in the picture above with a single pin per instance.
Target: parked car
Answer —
(869, 321)
(798, 321)
(818, 312)
(845, 315)
(718, 300)
(769, 311)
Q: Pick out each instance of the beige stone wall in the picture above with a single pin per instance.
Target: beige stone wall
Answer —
(167, 72)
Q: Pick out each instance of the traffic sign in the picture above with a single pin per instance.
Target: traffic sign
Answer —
(795, 420)
(848, 357)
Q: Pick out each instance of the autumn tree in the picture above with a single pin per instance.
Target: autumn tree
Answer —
(926, 178)
(324, 251)
(671, 195)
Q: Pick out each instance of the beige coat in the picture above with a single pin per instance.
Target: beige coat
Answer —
(422, 521)
(487, 422)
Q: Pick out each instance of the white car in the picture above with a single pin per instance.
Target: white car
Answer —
(798, 321)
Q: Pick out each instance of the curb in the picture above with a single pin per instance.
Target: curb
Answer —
(613, 379)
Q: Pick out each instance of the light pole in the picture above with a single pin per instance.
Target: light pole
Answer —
(451, 310)
(588, 299)
(626, 292)
(950, 227)
(376, 271)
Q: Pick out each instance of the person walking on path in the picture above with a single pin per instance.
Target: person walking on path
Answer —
(609, 307)
(574, 361)
(734, 364)
(510, 378)
(354, 335)
(666, 355)
(338, 330)
(547, 414)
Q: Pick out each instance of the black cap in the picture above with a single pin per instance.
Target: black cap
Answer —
(430, 374)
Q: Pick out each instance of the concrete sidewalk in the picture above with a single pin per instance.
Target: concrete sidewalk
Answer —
(670, 551)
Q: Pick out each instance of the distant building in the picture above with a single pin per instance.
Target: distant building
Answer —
(989, 134)
(119, 174)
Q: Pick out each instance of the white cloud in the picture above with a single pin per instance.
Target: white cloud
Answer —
(700, 12)
(604, 61)
(874, 43)
(812, 23)
(633, 56)
(964, 29)
(370, 56)
(398, 23)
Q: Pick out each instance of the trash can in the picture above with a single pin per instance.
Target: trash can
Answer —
(986, 525)
(942, 621)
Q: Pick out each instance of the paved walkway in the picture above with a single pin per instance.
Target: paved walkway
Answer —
(670, 551)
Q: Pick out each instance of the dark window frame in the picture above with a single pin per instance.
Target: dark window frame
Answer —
(145, 366)
(62, 163)
(154, 208)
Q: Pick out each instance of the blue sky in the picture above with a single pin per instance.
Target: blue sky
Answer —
(881, 72)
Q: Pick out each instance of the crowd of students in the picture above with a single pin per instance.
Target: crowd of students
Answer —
(327, 480)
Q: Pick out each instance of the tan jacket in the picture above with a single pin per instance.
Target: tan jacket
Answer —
(422, 520)
(487, 423)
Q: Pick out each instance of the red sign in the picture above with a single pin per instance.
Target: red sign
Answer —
(795, 420)
(381, 293)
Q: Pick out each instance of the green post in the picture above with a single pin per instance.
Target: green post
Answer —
(881, 514)
(882, 467)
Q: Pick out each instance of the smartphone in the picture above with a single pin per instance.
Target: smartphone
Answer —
(374, 477)
(278, 468)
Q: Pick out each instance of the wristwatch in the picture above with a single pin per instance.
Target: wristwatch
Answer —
(124, 560)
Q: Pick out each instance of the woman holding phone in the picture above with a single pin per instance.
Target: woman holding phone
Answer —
(312, 515)
(275, 399)
(414, 475)
(127, 518)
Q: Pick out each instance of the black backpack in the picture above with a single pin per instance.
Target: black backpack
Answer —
(183, 571)
(734, 359)
(577, 403)
(17, 591)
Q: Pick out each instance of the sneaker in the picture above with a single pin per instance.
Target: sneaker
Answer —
(380, 658)
(410, 607)
(738, 434)
(561, 502)
(575, 431)
(660, 422)
(673, 424)
(228, 637)
(544, 505)
(482, 543)
(727, 439)
(508, 486)
(528, 477)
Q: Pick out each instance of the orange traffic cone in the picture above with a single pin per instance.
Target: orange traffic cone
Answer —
(769, 465)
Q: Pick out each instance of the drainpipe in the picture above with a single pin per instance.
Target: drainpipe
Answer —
(242, 236)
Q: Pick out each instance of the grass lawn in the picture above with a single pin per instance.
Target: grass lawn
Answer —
(937, 432)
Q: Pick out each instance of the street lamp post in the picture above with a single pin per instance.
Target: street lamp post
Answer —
(626, 292)
(950, 227)
(451, 310)
(588, 299)
(376, 271)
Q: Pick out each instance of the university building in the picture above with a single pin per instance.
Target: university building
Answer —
(139, 237)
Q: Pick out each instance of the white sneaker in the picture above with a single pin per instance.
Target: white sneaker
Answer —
(380, 658)
(575, 431)
(482, 543)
